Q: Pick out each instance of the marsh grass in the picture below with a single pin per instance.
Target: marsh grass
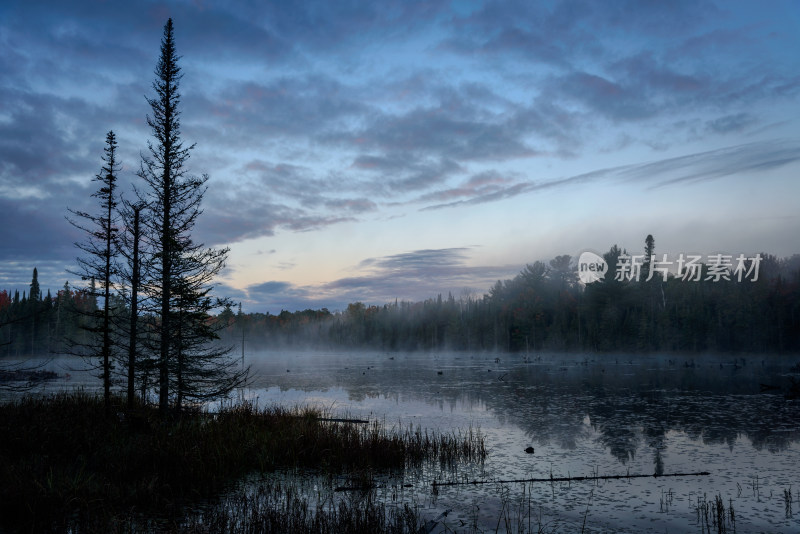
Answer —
(714, 517)
(283, 506)
(280, 504)
(65, 461)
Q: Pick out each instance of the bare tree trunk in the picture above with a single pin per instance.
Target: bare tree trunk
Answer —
(107, 308)
(179, 355)
(134, 306)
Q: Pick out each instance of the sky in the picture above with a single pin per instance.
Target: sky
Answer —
(391, 150)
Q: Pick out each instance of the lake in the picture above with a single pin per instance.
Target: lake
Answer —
(584, 415)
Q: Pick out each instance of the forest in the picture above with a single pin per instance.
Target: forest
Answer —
(544, 307)
(43, 324)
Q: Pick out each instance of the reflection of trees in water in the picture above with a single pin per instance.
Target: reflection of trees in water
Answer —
(776, 438)
(617, 420)
(658, 459)
(655, 436)
(622, 442)
(628, 405)
(635, 406)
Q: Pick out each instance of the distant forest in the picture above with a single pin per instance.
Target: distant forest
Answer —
(544, 307)
(40, 324)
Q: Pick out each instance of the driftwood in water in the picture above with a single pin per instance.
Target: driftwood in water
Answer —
(569, 479)
(337, 420)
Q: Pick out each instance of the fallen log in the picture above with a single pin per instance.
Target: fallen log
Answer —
(569, 479)
(337, 420)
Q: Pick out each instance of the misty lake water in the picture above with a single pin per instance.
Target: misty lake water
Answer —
(584, 415)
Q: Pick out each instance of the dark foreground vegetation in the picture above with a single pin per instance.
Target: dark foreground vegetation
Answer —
(282, 508)
(66, 462)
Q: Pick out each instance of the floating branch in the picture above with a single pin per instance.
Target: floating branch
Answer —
(568, 479)
(364, 487)
(336, 420)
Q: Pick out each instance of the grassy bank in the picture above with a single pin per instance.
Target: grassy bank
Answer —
(66, 461)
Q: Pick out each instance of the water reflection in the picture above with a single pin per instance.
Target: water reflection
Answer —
(628, 405)
(631, 404)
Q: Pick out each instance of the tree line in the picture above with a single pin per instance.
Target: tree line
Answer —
(546, 307)
(41, 324)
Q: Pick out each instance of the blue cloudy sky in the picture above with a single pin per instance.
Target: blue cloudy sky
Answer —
(374, 151)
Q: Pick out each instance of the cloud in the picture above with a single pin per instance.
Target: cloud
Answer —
(229, 221)
(416, 275)
(714, 164)
(287, 181)
(274, 296)
(355, 205)
(30, 233)
(223, 290)
(418, 261)
(399, 172)
(276, 196)
(478, 185)
(42, 143)
(701, 166)
(641, 87)
(442, 132)
(731, 123)
(269, 288)
(255, 113)
(605, 96)
(410, 276)
(341, 28)
(569, 32)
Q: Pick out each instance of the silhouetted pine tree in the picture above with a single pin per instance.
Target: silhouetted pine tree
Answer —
(181, 275)
(99, 249)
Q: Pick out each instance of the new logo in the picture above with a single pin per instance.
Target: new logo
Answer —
(591, 267)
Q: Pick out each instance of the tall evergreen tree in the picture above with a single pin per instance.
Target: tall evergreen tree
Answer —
(649, 251)
(182, 271)
(100, 248)
(33, 305)
(169, 184)
(36, 293)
